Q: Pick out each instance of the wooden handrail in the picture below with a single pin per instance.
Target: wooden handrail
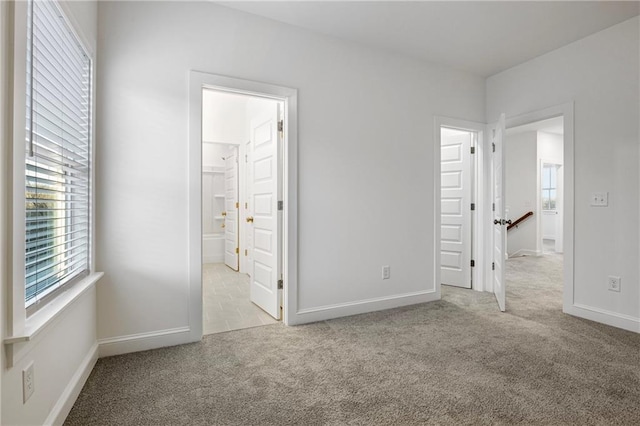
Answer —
(520, 219)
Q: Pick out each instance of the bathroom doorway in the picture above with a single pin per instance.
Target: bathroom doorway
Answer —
(241, 220)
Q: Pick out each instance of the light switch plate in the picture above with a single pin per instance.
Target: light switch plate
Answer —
(600, 199)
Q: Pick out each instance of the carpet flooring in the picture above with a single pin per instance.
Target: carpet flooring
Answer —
(457, 361)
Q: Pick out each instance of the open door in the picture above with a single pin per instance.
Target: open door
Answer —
(231, 209)
(264, 214)
(455, 240)
(499, 221)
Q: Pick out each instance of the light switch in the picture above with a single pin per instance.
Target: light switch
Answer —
(600, 199)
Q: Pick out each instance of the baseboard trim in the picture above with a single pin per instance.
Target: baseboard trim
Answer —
(144, 341)
(526, 252)
(338, 310)
(613, 319)
(63, 406)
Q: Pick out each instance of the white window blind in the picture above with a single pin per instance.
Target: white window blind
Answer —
(58, 154)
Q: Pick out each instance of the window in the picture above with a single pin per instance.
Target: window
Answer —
(58, 154)
(549, 187)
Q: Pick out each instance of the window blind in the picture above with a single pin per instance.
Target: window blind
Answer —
(58, 154)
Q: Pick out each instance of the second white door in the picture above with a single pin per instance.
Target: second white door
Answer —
(455, 181)
(231, 209)
(264, 215)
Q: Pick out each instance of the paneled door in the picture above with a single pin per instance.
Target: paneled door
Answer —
(499, 222)
(264, 215)
(455, 181)
(231, 246)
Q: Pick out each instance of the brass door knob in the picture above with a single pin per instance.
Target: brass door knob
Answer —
(223, 213)
(250, 219)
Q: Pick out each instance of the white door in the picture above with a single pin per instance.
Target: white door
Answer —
(248, 227)
(455, 238)
(499, 221)
(264, 215)
(231, 209)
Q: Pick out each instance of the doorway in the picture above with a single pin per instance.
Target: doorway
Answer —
(534, 190)
(242, 199)
(458, 145)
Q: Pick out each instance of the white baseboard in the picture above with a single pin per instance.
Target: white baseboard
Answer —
(144, 341)
(63, 406)
(215, 258)
(525, 252)
(327, 312)
(613, 319)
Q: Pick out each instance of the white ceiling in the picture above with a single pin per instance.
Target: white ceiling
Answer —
(476, 36)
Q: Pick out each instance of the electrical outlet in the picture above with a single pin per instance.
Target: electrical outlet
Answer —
(28, 384)
(614, 283)
(386, 272)
(600, 199)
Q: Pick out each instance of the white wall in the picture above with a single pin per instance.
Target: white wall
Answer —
(550, 147)
(521, 192)
(365, 157)
(223, 117)
(64, 352)
(600, 75)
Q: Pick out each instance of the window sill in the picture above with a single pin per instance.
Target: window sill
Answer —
(45, 316)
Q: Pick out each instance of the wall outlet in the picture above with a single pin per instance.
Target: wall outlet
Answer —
(600, 199)
(614, 283)
(386, 272)
(28, 384)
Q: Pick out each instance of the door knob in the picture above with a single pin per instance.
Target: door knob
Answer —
(250, 219)
(223, 213)
(501, 222)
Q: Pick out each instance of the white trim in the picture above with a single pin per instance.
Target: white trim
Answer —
(567, 112)
(69, 395)
(198, 81)
(42, 318)
(144, 341)
(525, 252)
(478, 253)
(613, 319)
(338, 310)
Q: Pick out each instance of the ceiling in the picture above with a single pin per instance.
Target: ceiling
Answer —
(480, 37)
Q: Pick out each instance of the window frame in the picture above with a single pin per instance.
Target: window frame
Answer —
(23, 325)
(547, 190)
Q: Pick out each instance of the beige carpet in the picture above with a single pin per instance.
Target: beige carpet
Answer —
(455, 361)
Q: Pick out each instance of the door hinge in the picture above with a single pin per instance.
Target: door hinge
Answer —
(246, 252)
(493, 147)
(473, 149)
(280, 205)
(473, 206)
(493, 207)
(473, 263)
(281, 126)
(237, 205)
(493, 266)
(280, 284)
(246, 158)
(237, 250)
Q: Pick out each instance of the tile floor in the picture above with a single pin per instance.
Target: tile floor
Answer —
(226, 301)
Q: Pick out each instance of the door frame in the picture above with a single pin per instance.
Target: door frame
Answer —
(567, 112)
(197, 82)
(478, 190)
